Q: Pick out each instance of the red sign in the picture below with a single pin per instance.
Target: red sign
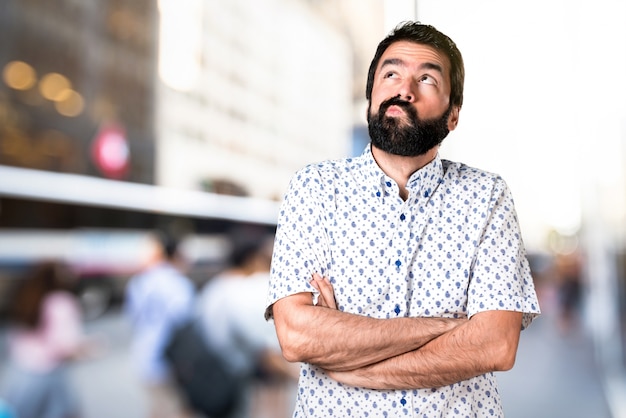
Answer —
(110, 151)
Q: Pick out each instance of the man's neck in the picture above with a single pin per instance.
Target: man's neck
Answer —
(400, 168)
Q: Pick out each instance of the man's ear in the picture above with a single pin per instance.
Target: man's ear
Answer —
(453, 119)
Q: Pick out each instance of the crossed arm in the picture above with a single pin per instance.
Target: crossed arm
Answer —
(398, 353)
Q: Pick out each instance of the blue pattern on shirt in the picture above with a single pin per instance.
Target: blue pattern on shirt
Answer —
(453, 248)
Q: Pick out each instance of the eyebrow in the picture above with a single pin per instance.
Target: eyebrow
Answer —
(424, 66)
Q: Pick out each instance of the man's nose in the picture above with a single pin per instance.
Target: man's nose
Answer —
(407, 91)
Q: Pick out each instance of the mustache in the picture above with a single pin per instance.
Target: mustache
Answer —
(395, 101)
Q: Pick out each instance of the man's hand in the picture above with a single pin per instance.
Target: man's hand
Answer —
(327, 294)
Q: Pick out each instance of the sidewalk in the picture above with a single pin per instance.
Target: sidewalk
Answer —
(555, 375)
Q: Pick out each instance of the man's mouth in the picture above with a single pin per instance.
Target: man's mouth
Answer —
(394, 111)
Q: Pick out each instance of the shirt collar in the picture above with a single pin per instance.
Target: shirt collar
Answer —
(424, 181)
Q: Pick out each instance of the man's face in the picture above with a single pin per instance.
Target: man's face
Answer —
(409, 112)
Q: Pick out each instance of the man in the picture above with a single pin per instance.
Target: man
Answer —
(231, 313)
(399, 279)
(158, 299)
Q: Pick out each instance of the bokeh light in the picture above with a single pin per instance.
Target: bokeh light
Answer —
(69, 103)
(19, 75)
(54, 86)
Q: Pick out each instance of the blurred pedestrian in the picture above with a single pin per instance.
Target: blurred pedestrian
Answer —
(569, 269)
(46, 334)
(158, 299)
(231, 307)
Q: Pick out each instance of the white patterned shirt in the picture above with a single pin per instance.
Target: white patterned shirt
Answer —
(452, 249)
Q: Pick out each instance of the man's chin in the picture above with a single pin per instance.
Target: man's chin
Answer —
(397, 122)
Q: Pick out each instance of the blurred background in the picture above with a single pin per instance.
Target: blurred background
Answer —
(118, 117)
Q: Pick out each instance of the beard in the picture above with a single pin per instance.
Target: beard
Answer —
(395, 136)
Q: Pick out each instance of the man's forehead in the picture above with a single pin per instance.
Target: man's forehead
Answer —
(402, 51)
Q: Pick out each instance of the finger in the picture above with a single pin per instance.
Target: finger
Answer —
(316, 277)
(326, 290)
(321, 301)
(315, 282)
(326, 297)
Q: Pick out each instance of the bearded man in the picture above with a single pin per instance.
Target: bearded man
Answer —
(399, 279)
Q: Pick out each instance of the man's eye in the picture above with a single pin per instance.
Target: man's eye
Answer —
(390, 75)
(426, 79)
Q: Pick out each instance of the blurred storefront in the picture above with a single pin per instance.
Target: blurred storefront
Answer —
(119, 117)
(77, 98)
(122, 116)
(77, 91)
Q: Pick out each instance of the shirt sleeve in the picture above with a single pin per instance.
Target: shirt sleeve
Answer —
(501, 277)
(301, 245)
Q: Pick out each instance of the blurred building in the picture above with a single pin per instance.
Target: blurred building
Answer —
(250, 90)
(77, 92)
(189, 96)
(118, 116)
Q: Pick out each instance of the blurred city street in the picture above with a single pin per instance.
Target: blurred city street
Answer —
(554, 376)
(107, 385)
(121, 120)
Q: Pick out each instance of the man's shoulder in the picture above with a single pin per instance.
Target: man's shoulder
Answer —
(328, 172)
(337, 165)
(459, 172)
